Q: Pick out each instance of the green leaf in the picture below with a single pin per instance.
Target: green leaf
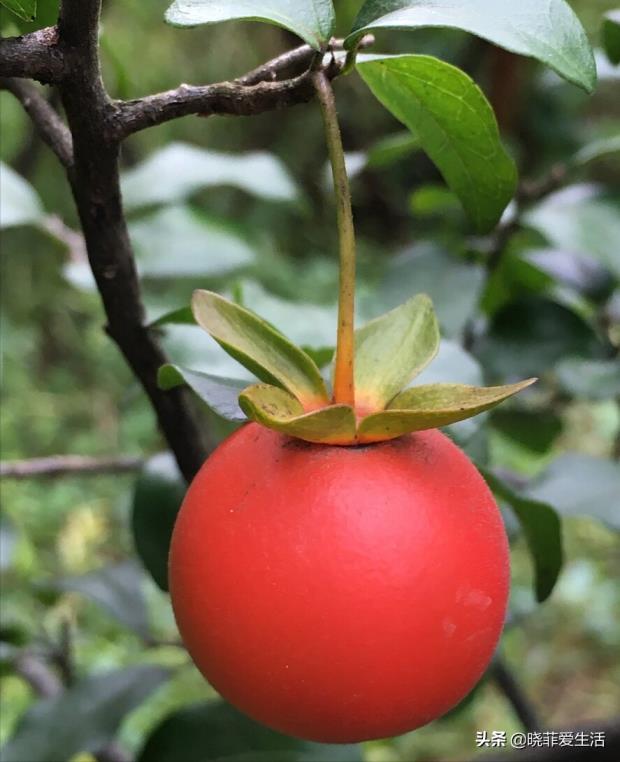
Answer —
(607, 146)
(535, 430)
(393, 349)
(19, 202)
(547, 30)
(581, 220)
(117, 588)
(581, 485)
(176, 242)
(277, 409)
(260, 348)
(220, 394)
(453, 285)
(611, 35)
(543, 533)
(531, 335)
(25, 9)
(216, 731)
(432, 406)
(180, 170)
(157, 497)
(456, 127)
(82, 719)
(589, 379)
(312, 20)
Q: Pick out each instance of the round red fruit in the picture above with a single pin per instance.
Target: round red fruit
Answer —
(340, 594)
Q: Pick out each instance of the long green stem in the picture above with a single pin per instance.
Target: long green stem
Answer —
(344, 390)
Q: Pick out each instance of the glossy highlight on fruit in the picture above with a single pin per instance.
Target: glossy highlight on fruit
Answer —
(340, 594)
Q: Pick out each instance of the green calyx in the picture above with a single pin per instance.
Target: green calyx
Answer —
(293, 397)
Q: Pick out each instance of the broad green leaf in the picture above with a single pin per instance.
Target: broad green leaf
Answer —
(157, 497)
(19, 202)
(216, 731)
(176, 242)
(180, 170)
(277, 409)
(82, 719)
(392, 149)
(312, 20)
(598, 149)
(453, 285)
(260, 348)
(575, 270)
(455, 125)
(589, 379)
(611, 35)
(220, 394)
(580, 219)
(547, 30)
(25, 9)
(581, 485)
(535, 430)
(432, 406)
(543, 533)
(393, 349)
(531, 335)
(117, 588)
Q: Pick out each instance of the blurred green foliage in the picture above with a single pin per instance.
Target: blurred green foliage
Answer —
(550, 307)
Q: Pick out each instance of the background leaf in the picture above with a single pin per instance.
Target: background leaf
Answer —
(157, 497)
(19, 202)
(542, 529)
(581, 485)
(25, 9)
(84, 718)
(217, 731)
(611, 35)
(544, 29)
(177, 171)
(455, 125)
(220, 394)
(117, 588)
(312, 20)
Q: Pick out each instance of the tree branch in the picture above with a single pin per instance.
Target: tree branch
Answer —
(34, 56)
(515, 694)
(66, 465)
(94, 180)
(48, 123)
(247, 96)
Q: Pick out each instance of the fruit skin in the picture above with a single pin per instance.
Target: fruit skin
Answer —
(339, 594)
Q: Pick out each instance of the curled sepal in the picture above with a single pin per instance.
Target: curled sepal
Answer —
(260, 348)
(392, 350)
(431, 406)
(277, 409)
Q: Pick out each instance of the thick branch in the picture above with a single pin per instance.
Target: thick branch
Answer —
(95, 184)
(63, 465)
(48, 123)
(34, 56)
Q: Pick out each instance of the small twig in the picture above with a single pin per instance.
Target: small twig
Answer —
(70, 238)
(45, 118)
(63, 465)
(515, 694)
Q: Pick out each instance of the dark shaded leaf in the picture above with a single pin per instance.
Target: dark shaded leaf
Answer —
(217, 731)
(590, 379)
(611, 35)
(535, 429)
(220, 394)
(158, 494)
(543, 533)
(84, 718)
(116, 588)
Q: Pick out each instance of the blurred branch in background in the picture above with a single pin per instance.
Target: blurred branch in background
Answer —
(512, 689)
(63, 465)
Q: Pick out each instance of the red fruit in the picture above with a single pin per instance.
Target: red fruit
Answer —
(340, 593)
